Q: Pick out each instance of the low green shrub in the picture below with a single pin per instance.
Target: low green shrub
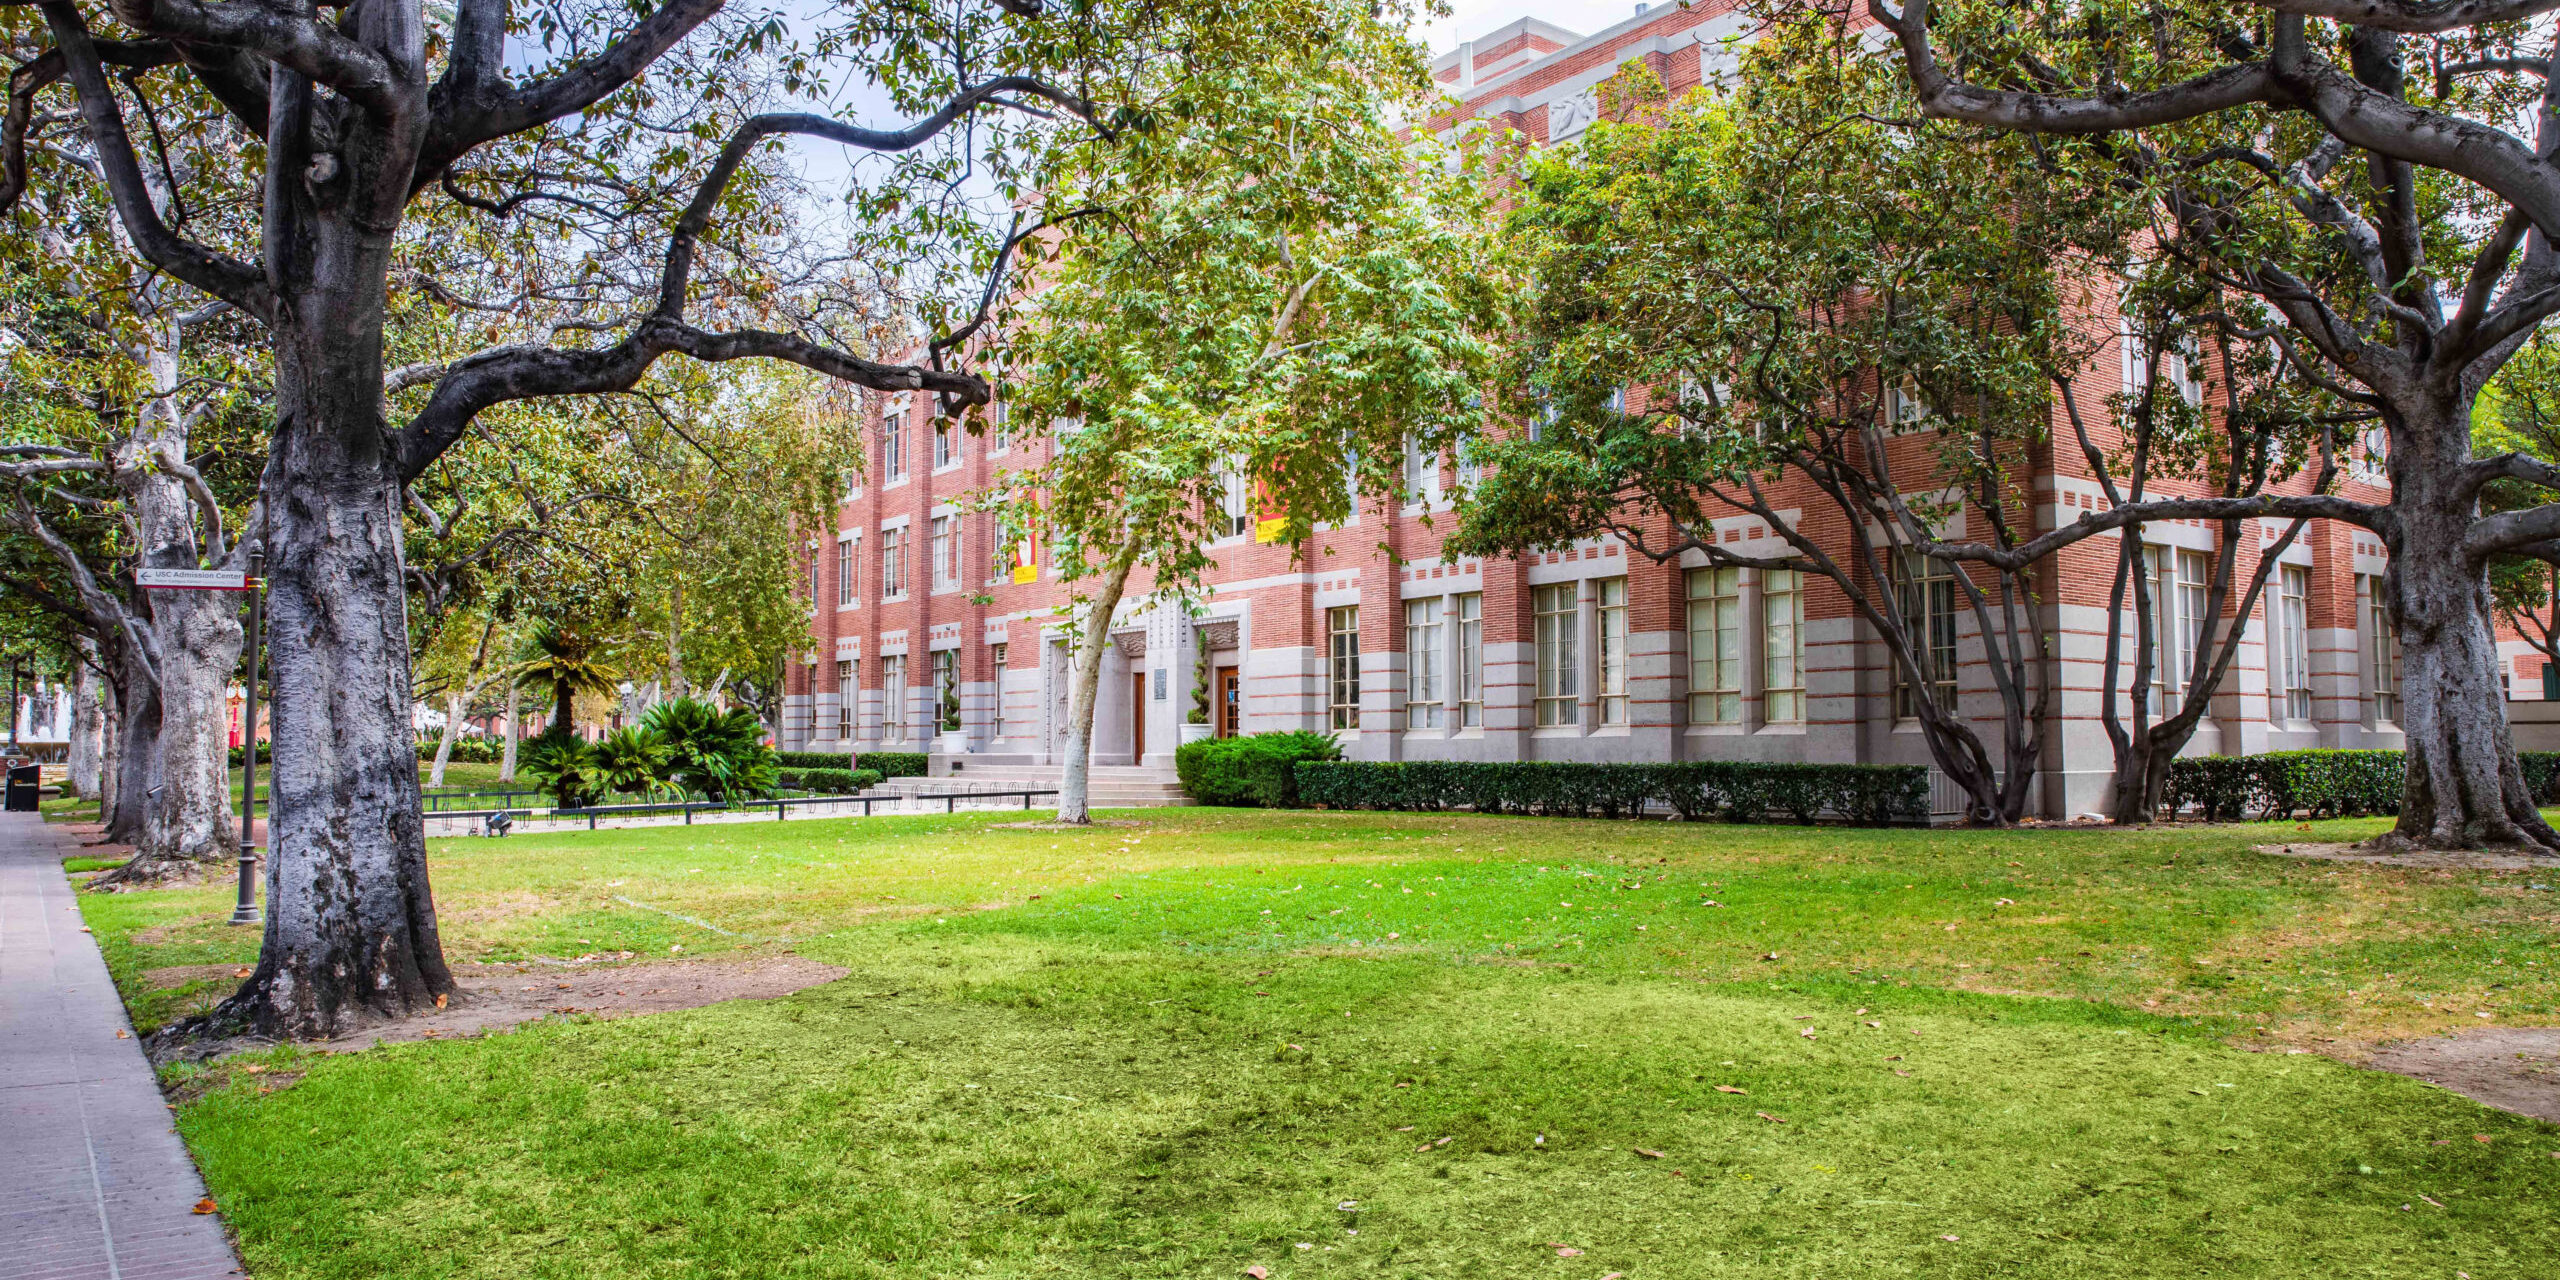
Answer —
(1256, 770)
(1742, 791)
(2321, 783)
(829, 782)
(812, 760)
(892, 764)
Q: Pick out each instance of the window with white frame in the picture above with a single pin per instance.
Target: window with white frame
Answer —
(1423, 692)
(893, 698)
(2289, 680)
(1555, 614)
(1421, 472)
(2158, 591)
(1903, 404)
(945, 535)
(1782, 646)
(1925, 595)
(893, 563)
(2371, 459)
(1235, 502)
(946, 444)
(893, 442)
(847, 696)
(997, 653)
(817, 577)
(999, 428)
(2177, 366)
(845, 548)
(1610, 594)
(1715, 646)
(1470, 612)
(2195, 579)
(2381, 653)
(946, 690)
(1342, 630)
(1470, 470)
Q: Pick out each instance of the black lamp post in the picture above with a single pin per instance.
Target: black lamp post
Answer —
(246, 911)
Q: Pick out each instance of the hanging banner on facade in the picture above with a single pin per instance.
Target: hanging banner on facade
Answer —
(193, 579)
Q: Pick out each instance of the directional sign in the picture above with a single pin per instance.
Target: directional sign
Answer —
(194, 579)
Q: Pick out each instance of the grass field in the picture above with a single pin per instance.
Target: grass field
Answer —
(1177, 1047)
(458, 777)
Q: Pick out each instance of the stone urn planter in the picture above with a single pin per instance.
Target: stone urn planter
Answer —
(1197, 732)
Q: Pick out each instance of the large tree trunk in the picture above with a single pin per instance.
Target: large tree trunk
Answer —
(199, 641)
(195, 642)
(2464, 788)
(88, 732)
(351, 923)
(507, 754)
(444, 742)
(1084, 684)
(133, 760)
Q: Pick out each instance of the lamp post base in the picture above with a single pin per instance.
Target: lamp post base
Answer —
(247, 910)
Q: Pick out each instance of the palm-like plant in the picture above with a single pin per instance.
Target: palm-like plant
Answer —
(563, 660)
(630, 760)
(562, 767)
(721, 754)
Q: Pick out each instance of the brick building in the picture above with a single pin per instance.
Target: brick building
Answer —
(1581, 653)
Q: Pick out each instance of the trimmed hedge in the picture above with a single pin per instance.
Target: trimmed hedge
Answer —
(1739, 791)
(828, 782)
(812, 760)
(2324, 783)
(1256, 770)
(888, 764)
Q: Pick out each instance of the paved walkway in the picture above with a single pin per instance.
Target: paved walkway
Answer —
(93, 1179)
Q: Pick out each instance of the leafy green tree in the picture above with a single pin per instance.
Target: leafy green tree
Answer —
(2374, 174)
(631, 760)
(718, 753)
(561, 660)
(1275, 288)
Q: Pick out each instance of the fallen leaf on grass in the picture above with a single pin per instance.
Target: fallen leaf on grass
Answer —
(1807, 1033)
(242, 972)
(1771, 956)
(1770, 1118)
(1568, 1251)
(1405, 1129)
(206, 1205)
(1258, 1272)
(1726, 1088)
(1877, 1025)
(1648, 1154)
(1948, 1239)
(2431, 1200)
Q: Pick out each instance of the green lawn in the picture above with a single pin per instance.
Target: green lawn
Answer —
(1174, 1048)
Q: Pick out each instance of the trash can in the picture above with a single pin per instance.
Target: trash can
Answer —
(23, 781)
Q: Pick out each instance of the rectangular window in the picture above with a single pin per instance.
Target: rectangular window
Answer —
(1556, 618)
(847, 696)
(946, 444)
(1715, 646)
(817, 572)
(1469, 469)
(2195, 580)
(893, 442)
(946, 553)
(1422, 692)
(844, 573)
(1342, 625)
(1903, 405)
(1782, 646)
(2382, 654)
(999, 428)
(946, 690)
(2289, 691)
(893, 563)
(893, 698)
(1925, 596)
(1421, 472)
(2156, 587)
(1470, 609)
(1613, 650)
(1235, 503)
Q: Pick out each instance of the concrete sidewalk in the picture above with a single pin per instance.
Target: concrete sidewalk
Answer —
(93, 1179)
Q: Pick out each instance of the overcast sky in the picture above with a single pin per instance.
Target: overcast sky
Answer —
(1476, 17)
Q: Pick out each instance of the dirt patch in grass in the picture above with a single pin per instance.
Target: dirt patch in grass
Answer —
(2511, 1068)
(2448, 860)
(495, 997)
(179, 975)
